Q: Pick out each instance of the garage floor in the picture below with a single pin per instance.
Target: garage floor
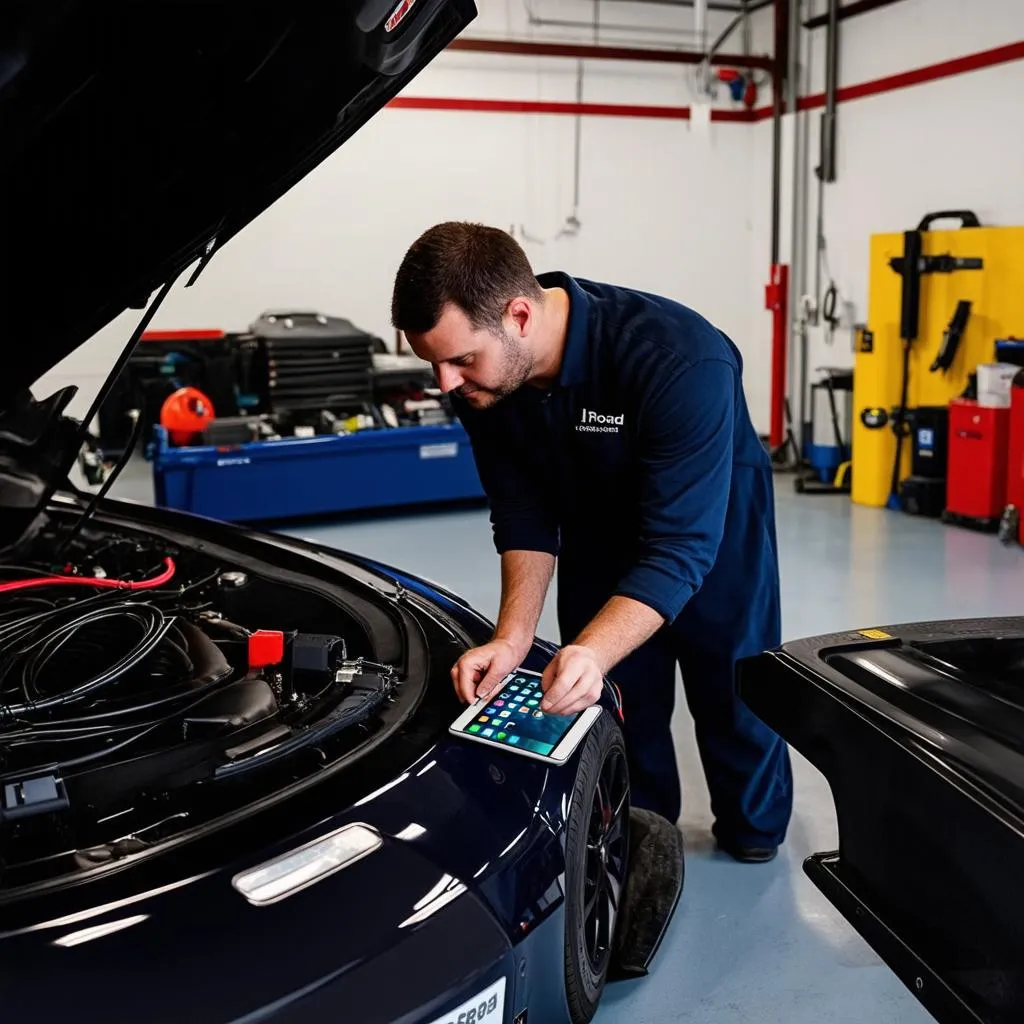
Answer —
(750, 944)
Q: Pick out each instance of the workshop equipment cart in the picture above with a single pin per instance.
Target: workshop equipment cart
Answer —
(299, 477)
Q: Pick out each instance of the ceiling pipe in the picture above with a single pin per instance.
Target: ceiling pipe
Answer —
(743, 18)
(579, 51)
(777, 291)
(614, 27)
(849, 11)
(780, 76)
(713, 5)
(796, 326)
(537, 21)
(700, 22)
(827, 170)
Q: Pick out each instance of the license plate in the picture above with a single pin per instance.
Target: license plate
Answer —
(487, 1007)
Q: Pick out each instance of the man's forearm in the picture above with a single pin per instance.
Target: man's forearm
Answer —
(618, 629)
(525, 578)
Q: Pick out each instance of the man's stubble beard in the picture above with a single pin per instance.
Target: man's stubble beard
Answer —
(517, 368)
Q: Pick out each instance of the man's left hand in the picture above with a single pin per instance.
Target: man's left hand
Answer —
(572, 681)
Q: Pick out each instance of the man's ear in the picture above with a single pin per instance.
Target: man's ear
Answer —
(520, 312)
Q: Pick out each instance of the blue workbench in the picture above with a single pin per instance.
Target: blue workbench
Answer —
(301, 477)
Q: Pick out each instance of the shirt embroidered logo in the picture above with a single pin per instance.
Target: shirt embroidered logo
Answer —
(592, 422)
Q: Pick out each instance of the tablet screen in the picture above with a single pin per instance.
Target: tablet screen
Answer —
(513, 717)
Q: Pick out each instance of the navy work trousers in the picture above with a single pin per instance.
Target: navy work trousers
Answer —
(735, 614)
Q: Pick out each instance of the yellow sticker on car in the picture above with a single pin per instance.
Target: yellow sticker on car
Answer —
(875, 634)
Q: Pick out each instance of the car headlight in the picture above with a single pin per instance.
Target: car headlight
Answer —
(290, 872)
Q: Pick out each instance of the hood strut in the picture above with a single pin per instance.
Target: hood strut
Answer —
(94, 409)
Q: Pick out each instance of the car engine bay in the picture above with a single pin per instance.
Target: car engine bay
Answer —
(147, 687)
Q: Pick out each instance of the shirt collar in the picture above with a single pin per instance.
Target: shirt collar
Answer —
(574, 357)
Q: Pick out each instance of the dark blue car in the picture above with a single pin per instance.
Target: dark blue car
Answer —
(227, 788)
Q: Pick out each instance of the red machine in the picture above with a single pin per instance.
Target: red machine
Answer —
(1014, 521)
(976, 484)
(186, 413)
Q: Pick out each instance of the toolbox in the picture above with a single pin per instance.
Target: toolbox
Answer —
(979, 440)
(296, 477)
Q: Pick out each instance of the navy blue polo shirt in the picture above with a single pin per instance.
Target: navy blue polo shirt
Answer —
(625, 469)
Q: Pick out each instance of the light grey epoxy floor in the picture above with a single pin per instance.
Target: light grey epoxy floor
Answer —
(753, 944)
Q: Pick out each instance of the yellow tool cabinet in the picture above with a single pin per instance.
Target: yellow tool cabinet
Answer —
(996, 294)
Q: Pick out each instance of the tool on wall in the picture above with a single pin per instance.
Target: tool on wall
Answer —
(952, 337)
(911, 266)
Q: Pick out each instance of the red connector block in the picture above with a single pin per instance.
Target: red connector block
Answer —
(266, 647)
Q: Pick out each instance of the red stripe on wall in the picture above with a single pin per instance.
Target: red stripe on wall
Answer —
(891, 83)
(550, 107)
(212, 335)
(906, 79)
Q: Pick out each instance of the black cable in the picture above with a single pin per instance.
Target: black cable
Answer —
(135, 667)
(106, 751)
(137, 708)
(900, 425)
(27, 569)
(39, 650)
(178, 592)
(152, 632)
(828, 310)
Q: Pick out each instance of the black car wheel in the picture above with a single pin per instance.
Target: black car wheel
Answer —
(597, 858)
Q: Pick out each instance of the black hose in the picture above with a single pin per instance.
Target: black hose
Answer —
(134, 738)
(138, 708)
(900, 424)
(38, 650)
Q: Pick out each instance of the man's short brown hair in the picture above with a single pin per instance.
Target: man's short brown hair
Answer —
(476, 268)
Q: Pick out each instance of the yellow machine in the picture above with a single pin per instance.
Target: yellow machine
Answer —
(920, 321)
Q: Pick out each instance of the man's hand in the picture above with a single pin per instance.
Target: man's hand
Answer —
(572, 681)
(575, 676)
(480, 669)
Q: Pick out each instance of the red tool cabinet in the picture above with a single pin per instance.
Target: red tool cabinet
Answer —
(979, 463)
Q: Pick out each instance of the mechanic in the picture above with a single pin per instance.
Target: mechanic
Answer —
(611, 434)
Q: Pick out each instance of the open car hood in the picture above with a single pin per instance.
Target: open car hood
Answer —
(136, 139)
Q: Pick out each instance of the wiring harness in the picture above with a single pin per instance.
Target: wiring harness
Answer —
(98, 672)
(111, 684)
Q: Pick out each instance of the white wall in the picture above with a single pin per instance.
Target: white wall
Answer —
(664, 205)
(953, 143)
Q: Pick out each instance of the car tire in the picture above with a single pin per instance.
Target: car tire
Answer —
(597, 859)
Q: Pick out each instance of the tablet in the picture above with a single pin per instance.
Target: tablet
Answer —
(511, 718)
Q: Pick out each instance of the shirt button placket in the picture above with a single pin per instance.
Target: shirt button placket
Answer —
(554, 407)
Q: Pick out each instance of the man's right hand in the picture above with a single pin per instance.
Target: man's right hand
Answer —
(480, 669)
